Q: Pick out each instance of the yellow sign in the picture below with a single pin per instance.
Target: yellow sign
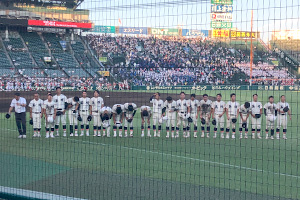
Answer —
(242, 34)
(104, 73)
(220, 33)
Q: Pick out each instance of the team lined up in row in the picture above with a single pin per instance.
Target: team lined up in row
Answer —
(175, 113)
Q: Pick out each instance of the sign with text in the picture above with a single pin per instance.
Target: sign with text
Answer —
(103, 73)
(133, 30)
(221, 16)
(164, 31)
(221, 9)
(59, 24)
(243, 34)
(194, 33)
(104, 29)
(224, 2)
(220, 33)
(214, 24)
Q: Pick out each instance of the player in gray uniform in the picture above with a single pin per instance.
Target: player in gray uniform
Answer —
(118, 116)
(256, 111)
(169, 110)
(73, 105)
(84, 104)
(61, 101)
(49, 111)
(36, 106)
(218, 110)
(193, 110)
(130, 110)
(283, 109)
(156, 112)
(145, 116)
(182, 111)
(270, 111)
(106, 114)
(205, 110)
(244, 119)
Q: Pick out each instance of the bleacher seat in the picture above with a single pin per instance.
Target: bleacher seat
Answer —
(55, 73)
(4, 60)
(76, 72)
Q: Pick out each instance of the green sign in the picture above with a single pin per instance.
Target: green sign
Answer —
(104, 29)
(164, 31)
(215, 24)
(225, 2)
(103, 59)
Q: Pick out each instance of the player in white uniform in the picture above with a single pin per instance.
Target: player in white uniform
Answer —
(256, 111)
(169, 110)
(218, 110)
(232, 112)
(193, 110)
(60, 101)
(106, 114)
(96, 103)
(205, 111)
(270, 110)
(156, 112)
(244, 119)
(49, 111)
(84, 104)
(130, 110)
(182, 111)
(36, 106)
(145, 116)
(73, 105)
(283, 109)
(118, 116)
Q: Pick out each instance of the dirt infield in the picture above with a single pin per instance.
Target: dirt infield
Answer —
(110, 97)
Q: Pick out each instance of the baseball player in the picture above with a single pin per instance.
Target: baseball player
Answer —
(232, 111)
(36, 106)
(118, 116)
(270, 111)
(96, 103)
(182, 109)
(83, 114)
(205, 110)
(106, 114)
(169, 110)
(218, 110)
(193, 110)
(244, 119)
(61, 101)
(256, 111)
(157, 112)
(283, 108)
(73, 105)
(145, 116)
(49, 111)
(130, 110)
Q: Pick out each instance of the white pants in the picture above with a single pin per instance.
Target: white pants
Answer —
(96, 119)
(118, 120)
(126, 123)
(106, 123)
(282, 121)
(229, 122)
(37, 120)
(49, 125)
(84, 115)
(181, 119)
(61, 118)
(155, 118)
(270, 124)
(247, 121)
(171, 119)
(195, 120)
(72, 118)
(220, 121)
(255, 123)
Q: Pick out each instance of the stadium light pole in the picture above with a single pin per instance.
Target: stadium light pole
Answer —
(251, 48)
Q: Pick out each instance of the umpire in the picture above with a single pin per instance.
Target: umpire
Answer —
(19, 104)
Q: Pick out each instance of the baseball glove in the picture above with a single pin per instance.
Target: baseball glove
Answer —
(129, 120)
(257, 116)
(203, 121)
(31, 121)
(214, 122)
(244, 125)
(79, 118)
(233, 120)
(89, 118)
(285, 109)
(7, 116)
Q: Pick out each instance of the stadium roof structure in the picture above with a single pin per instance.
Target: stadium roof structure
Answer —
(68, 3)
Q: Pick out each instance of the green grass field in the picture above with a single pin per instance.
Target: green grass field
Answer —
(156, 168)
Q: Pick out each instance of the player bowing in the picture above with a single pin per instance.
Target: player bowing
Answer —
(118, 116)
(106, 114)
(36, 106)
(232, 111)
(283, 109)
(218, 111)
(84, 102)
(130, 110)
(145, 116)
(256, 111)
(270, 111)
